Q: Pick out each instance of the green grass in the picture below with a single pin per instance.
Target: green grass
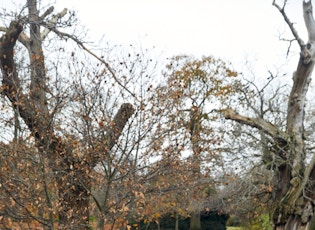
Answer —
(234, 228)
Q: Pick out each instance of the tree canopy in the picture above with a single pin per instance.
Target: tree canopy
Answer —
(107, 138)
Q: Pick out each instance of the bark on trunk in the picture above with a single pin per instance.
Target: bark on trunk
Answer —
(195, 223)
(293, 223)
(195, 129)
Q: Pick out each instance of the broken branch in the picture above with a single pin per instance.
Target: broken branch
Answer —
(51, 24)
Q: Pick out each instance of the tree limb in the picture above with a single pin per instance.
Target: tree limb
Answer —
(289, 23)
(23, 38)
(124, 113)
(47, 12)
(308, 52)
(117, 125)
(309, 20)
(10, 80)
(258, 123)
(52, 22)
(8, 41)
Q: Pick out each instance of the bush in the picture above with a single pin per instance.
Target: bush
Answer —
(209, 221)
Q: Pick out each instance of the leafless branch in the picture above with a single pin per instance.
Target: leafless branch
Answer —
(289, 23)
(47, 12)
(309, 20)
(80, 44)
(258, 123)
(52, 23)
(290, 44)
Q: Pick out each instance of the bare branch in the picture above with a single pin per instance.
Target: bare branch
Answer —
(258, 123)
(50, 26)
(117, 125)
(290, 44)
(124, 113)
(47, 12)
(289, 23)
(52, 23)
(309, 20)
(80, 44)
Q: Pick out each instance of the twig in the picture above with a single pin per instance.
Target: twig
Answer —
(290, 44)
(80, 44)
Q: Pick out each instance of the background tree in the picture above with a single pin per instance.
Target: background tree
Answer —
(194, 88)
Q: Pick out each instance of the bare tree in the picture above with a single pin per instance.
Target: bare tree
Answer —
(293, 183)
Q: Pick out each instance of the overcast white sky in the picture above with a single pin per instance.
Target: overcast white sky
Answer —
(231, 29)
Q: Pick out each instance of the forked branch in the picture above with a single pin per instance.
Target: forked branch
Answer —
(289, 23)
(52, 23)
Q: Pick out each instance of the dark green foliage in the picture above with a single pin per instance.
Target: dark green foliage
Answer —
(209, 221)
(213, 221)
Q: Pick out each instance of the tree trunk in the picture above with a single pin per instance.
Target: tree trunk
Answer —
(195, 129)
(195, 223)
(74, 186)
(176, 221)
(293, 223)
